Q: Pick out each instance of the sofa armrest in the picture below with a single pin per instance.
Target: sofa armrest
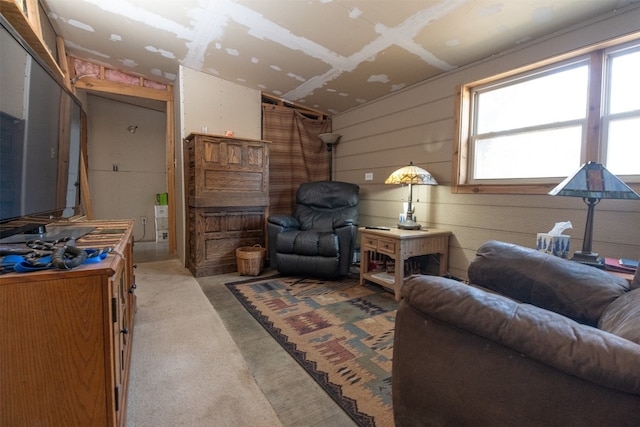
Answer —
(550, 338)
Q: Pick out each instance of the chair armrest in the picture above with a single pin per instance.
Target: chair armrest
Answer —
(285, 221)
(550, 338)
(344, 223)
(277, 224)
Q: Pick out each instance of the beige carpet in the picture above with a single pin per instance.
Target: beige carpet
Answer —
(186, 370)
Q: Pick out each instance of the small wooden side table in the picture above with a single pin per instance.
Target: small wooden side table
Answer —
(626, 276)
(400, 245)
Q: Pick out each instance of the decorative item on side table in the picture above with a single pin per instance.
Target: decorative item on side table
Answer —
(412, 175)
(593, 182)
(554, 242)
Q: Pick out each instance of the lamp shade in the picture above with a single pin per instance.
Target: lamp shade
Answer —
(594, 181)
(411, 174)
(329, 138)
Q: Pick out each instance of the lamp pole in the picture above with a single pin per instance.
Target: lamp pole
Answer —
(409, 223)
(330, 150)
(586, 256)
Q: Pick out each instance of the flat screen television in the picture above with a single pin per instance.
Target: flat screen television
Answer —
(40, 139)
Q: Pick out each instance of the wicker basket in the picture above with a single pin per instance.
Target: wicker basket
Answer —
(250, 260)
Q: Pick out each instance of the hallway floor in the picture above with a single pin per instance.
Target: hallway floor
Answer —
(296, 398)
(151, 251)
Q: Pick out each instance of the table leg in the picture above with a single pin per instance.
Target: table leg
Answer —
(444, 262)
(364, 265)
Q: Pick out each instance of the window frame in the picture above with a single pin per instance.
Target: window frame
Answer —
(607, 117)
(592, 148)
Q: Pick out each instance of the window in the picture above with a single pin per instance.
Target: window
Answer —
(529, 130)
(621, 121)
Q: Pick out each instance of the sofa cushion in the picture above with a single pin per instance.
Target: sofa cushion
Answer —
(575, 290)
(622, 317)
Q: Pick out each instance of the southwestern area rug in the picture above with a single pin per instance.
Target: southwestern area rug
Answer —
(341, 333)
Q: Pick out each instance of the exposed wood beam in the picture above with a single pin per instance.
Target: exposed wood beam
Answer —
(62, 60)
(101, 85)
(19, 21)
(33, 15)
(268, 99)
(171, 175)
(85, 191)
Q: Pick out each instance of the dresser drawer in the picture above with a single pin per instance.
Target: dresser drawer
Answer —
(387, 246)
(369, 243)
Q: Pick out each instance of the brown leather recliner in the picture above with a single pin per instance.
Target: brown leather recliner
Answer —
(535, 341)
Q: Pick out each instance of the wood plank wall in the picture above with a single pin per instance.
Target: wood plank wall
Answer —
(417, 124)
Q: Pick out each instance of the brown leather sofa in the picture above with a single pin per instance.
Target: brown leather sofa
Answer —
(535, 341)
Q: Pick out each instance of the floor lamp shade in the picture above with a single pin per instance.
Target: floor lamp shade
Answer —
(592, 182)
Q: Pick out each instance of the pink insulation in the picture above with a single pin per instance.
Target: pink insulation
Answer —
(120, 77)
(154, 85)
(87, 69)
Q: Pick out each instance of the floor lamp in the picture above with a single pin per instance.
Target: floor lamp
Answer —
(593, 182)
(331, 140)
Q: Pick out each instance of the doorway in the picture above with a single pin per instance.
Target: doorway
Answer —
(126, 167)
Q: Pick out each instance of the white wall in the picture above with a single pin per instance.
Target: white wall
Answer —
(206, 101)
(219, 105)
(417, 124)
(129, 192)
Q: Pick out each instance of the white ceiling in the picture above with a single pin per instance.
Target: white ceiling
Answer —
(330, 55)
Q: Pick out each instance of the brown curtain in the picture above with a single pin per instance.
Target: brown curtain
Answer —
(296, 155)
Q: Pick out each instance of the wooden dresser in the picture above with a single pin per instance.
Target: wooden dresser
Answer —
(66, 337)
(227, 192)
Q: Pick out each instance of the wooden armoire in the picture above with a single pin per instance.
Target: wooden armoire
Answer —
(227, 198)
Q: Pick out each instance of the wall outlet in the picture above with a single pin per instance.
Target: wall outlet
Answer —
(368, 176)
(144, 220)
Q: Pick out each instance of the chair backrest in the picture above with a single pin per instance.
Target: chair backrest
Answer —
(321, 204)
